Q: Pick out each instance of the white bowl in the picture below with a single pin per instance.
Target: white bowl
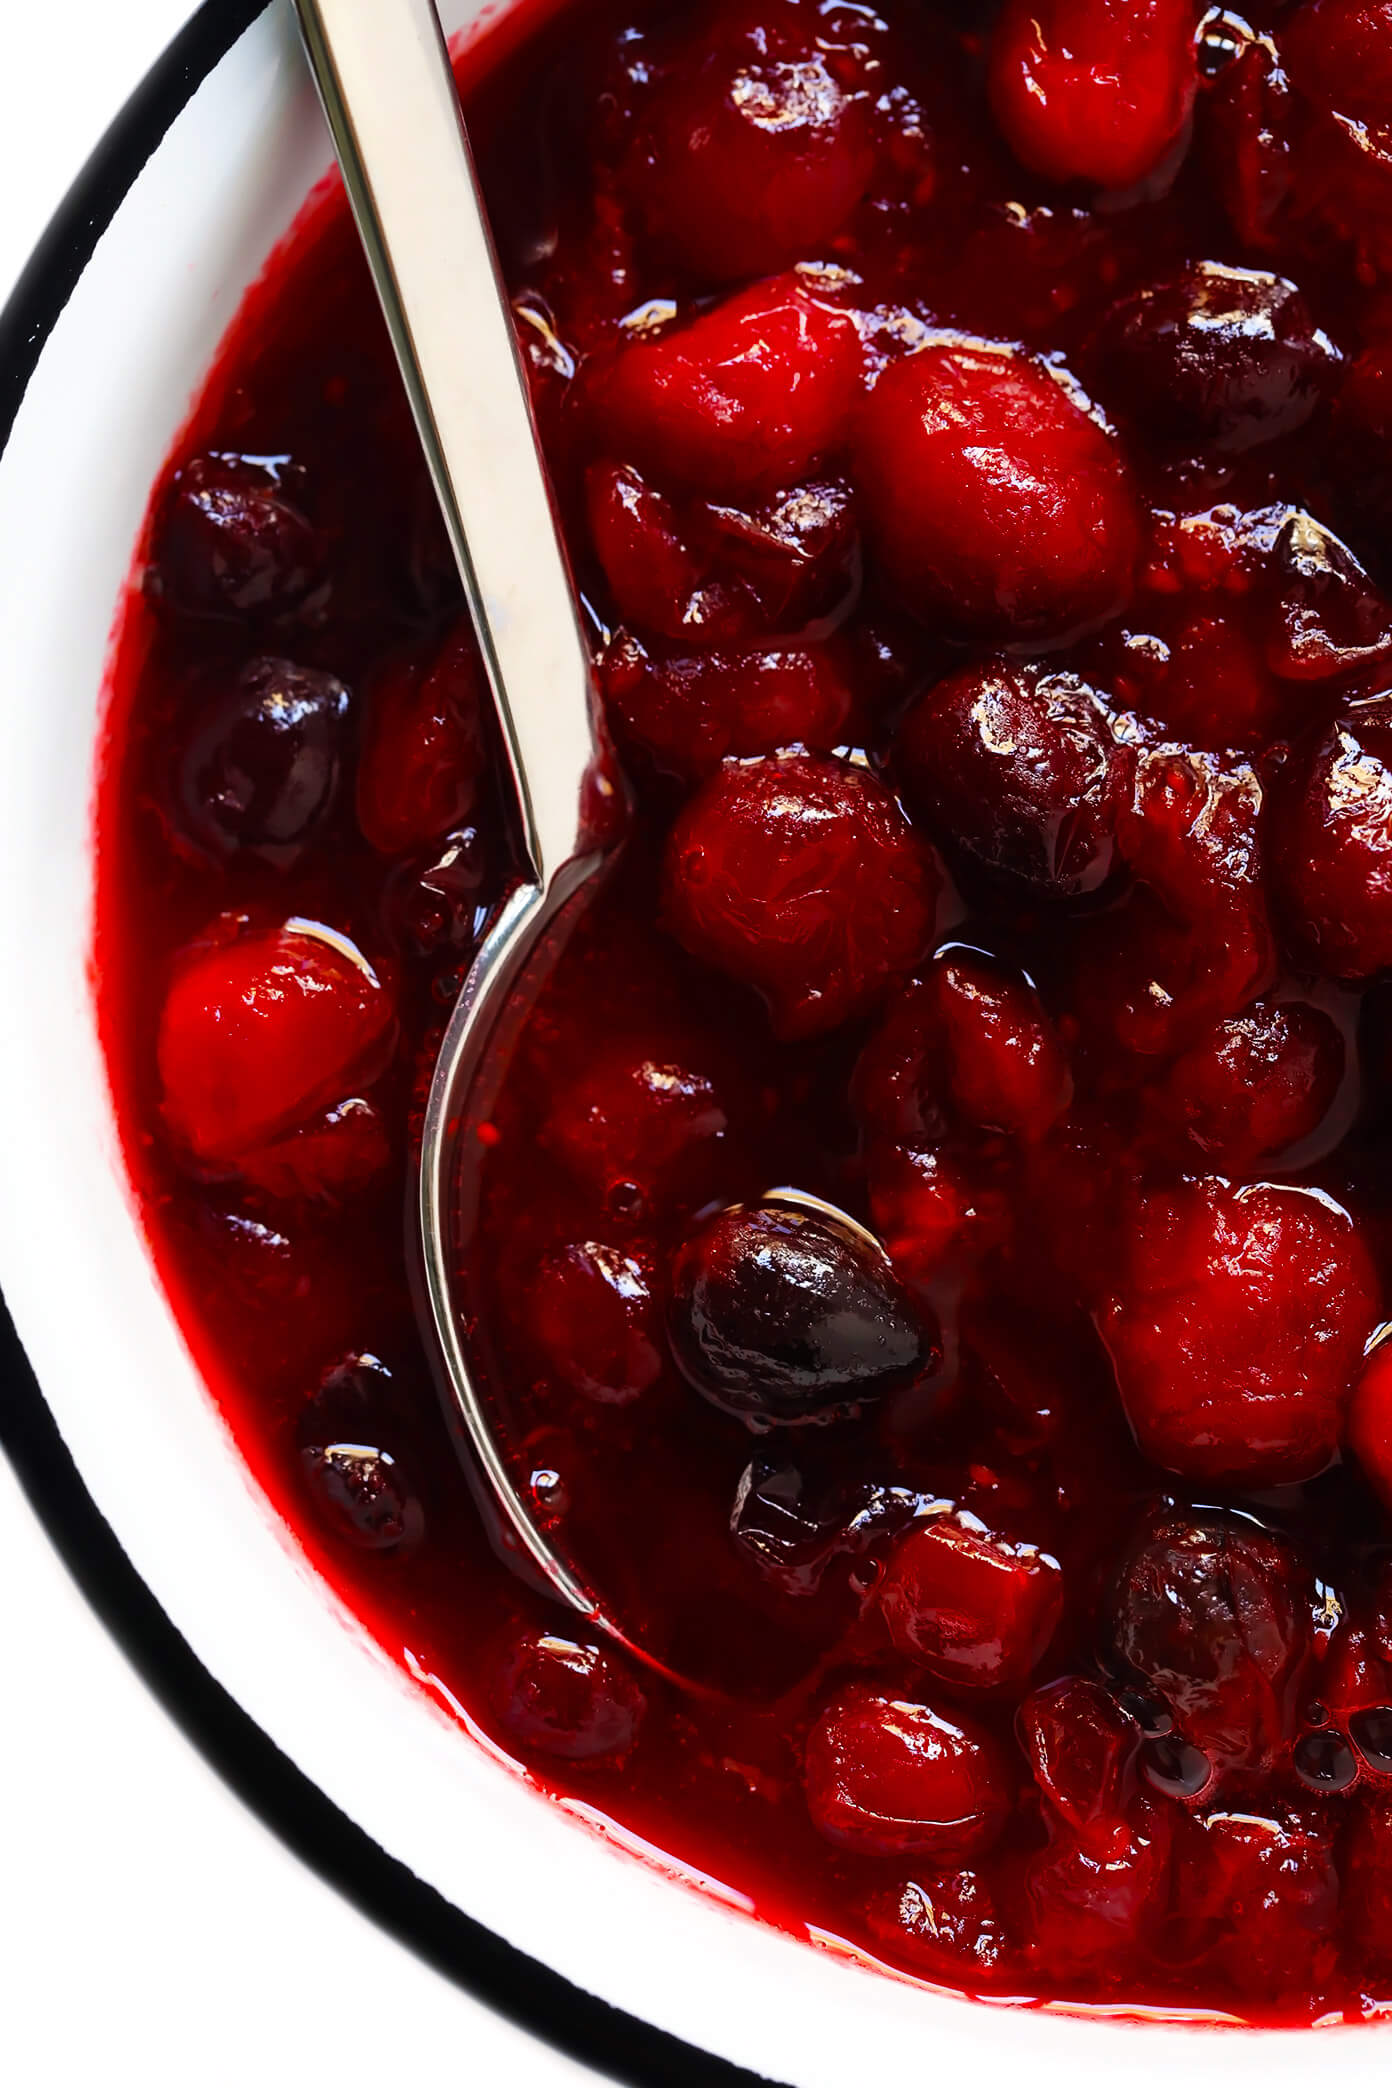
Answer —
(234, 142)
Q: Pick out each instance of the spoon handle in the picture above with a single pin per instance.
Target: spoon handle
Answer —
(384, 77)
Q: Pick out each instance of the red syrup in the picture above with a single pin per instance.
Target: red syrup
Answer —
(987, 572)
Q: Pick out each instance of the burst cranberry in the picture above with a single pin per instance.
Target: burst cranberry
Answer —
(935, 1210)
(332, 1157)
(1258, 1899)
(1081, 1746)
(641, 1120)
(1330, 619)
(801, 877)
(1237, 1329)
(567, 1699)
(1370, 1421)
(1333, 842)
(1249, 124)
(778, 1314)
(972, 1608)
(998, 506)
(595, 1320)
(422, 756)
(260, 1034)
(688, 712)
(363, 1496)
(1258, 1082)
(259, 769)
(1215, 688)
(1368, 1886)
(1339, 53)
(755, 152)
(746, 395)
(232, 543)
(1094, 90)
(1212, 1615)
(886, 1777)
(1099, 1899)
(434, 902)
(946, 1926)
(1228, 356)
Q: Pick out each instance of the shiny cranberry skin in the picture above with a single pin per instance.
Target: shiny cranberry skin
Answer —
(1212, 1615)
(935, 1210)
(801, 877)
(1237, 1329)
(1014, 770)
(1258, 1082)
(945, 1926)
(564, 1698)
(423, 755)
(434, 902)
(642, 1119)
(1332, 844)
(231, 543)
(688, 712)
(363, 1496)
(780, 1315)
(889, 1777)
(1337, 53)
(1231, 357)
(259, 1034)
(327, 1160)
(1081, 1746)
(743, 397)
(997, 505)
(1258, 1899)
(1099, 1897)
(1094, 90)
(259, 770)
(971, 1607)
(358, 1400)
(755, 152)
(1370, 1422)
(596, 1322)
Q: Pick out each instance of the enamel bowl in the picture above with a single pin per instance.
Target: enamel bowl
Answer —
(110, 335)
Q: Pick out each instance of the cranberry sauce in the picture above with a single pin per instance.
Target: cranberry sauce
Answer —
(973, 429)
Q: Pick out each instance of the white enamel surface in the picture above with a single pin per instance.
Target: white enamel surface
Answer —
(112, 387)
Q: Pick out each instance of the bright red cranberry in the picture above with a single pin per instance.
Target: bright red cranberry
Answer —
(971, 1607)
(232, 543)
(363, 1496)
(1370, 1422)
(778, 1314)
(331, 1158)
(1227, 356)
(1212, 1615)
(258, 1035)
(422, 756)
(1332, 842)
(653, 573)
(801, 877)
(1258, 1082)
(1257, 1899)
(688, 712)
(1081, 1746)
(641, 1122)
(564, 1698)
(1238, 1327)
(1215, 688)
(745, 396)
(1339, 53)
(1096, 1900)
(755, 151)
(946, 1927)
(1094, 90)
(889, 1777)
(999, 507)
(595, 1320)
(258, 772)
(1368, 1886)
(1013, 769)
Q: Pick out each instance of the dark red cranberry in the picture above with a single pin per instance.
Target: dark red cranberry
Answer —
(936, 1211)
(890, 1777)
(1212, 1615)
(642, 1119)
(1371, 1733)
(1096, 1899)
(1332, 842)
(1211, 686)
(1368, 1885)
(790, 1528)
(1249, 122)
(999, 507)
(1258, 1082)
(1337, 54)
(973, 1608)
(755, 151)
(1325, 1762)
(1370, 1421)
(259, 769)
(1013, 768)
(1081, 1746)
(1330, 618)
(945, 1926)
(1094, 90)
(1237, 1329)
(653, 573)
(564, 1698)
(801, 877)
(232, 543)
(594, 1317)
(434, 904)
(687, 713)
(343, 1150)
(746, 395)
(363, 1496)
(1232, 1866)
(778, 1314)
(1227, 356)
(358, 1400)
(423, 753)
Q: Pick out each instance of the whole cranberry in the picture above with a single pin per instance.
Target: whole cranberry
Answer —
(688, 712)
(1257, 1899)
(1368, 1885)
(778, 1314)
(754, 151)
(1249, 125)
(997, 505)
(1332, 842)
(1081, 1746)
(363, 1496)
(646, 1116)
(1095, 1900)
(231, 543)
(1094, 90)
(1258, 1082)
(800, 876)
(1237, 1329)
(259, 769)
(1330, 619)
(745, 396)
(1337, 53)
(652, 571)
(1014, 770)
(595, 1320)
(944, 1926)
(1212, 1615)
(565, 1698)
(422, 756)
(1370, 1421)
(889, 1777)
(973, 1608)
(1227, 356)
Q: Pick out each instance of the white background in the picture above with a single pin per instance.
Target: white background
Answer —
(150, 1928)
